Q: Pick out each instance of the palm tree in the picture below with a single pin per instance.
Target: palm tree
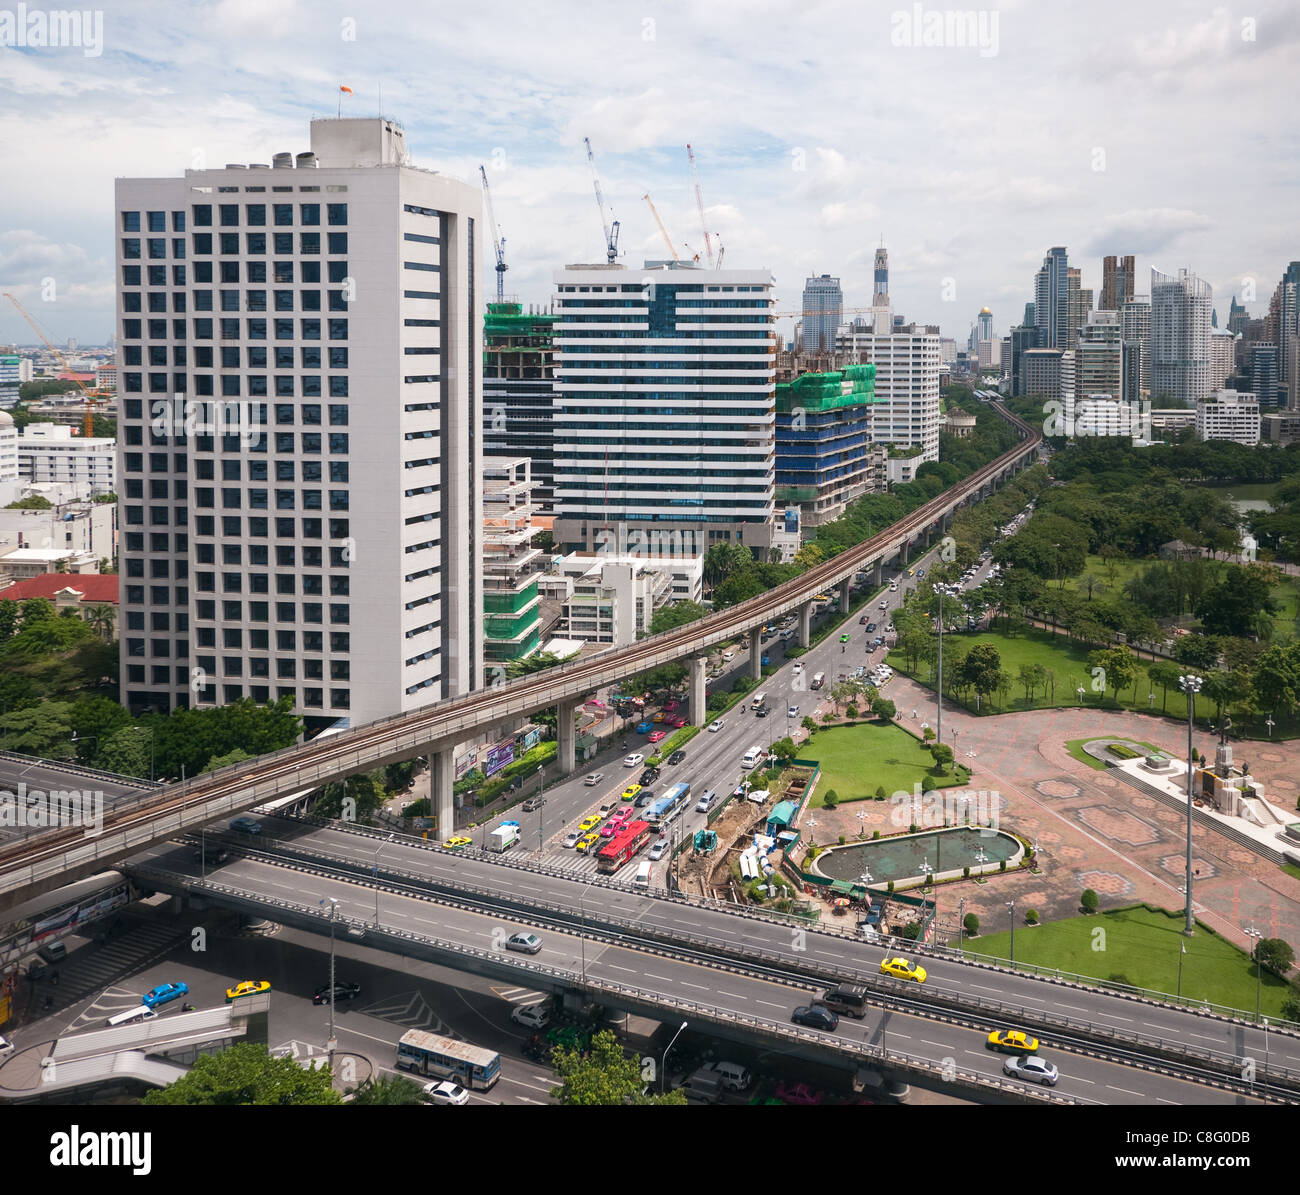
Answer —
(102, 618)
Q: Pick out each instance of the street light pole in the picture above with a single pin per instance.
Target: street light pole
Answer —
(1255, 935)
(379, 848)
(332, 1044)
(961, 923)
(1011, 908)
(663, 1066)
(1190, 685)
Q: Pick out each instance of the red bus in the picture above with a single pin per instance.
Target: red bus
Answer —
(633, 837)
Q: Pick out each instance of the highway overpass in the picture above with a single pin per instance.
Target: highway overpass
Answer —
(734, 972)
(57, 857)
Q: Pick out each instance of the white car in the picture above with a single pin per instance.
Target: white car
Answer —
(798, 665)
(657, 851)
(714, 727)
(6, 1046)
(571, 839)
(1031, 1068)
(792, 712)
(445, 1093)
(594, 779)
(634, 761)
(530, 1016)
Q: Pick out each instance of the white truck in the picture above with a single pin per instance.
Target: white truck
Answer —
(503, 838)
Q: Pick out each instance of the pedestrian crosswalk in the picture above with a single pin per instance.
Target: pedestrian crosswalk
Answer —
(411, 1011)
(88, 971)
(519, 996)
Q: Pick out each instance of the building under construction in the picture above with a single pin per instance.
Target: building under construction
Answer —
(519, 391)
(824, 454)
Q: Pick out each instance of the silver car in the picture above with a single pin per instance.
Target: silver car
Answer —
(1032, 1069)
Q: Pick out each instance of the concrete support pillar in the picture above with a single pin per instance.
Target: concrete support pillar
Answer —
(566, 737)
(756, 654)
(878, 573)
(698, 706)
(805, 624)
(845, 588)
(442, 775)
(946, 522)
(906, 553)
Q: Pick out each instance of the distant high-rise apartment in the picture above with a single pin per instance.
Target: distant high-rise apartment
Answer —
(1283, 329)
(1135, 328)
(1264, 381)
(1180, 337)
(1221, 358)
(1228, 415)
(298, 457)
(1237, 316)
(519, 392)
(1041, 373)
(1078, 305)
(1051, 300)
(664, 408)
(10, 379)
(1099, 356)
(823, 309)
(1117, 276)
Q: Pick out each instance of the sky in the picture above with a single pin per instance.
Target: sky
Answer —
(1167, 130)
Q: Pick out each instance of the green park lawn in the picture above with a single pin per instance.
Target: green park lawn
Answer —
(1142, 949)
(1069, 662)
(856, 760)
(1075, 748)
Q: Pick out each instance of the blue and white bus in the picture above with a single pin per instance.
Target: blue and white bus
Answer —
(445, 1058)
(663, 809)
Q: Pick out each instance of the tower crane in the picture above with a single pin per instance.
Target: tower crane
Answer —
(498, 241)
(92, 396)
(699, 202)
(611, 230)
(667, 239)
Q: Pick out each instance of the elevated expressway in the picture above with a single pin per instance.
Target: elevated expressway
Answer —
(732, 972)
(61, 856)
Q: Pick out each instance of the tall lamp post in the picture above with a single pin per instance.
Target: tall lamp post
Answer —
(961, 923)
(379, 848)
(1011, 908)
(1190, 685)
(663, 1066)
(332, 1044)
(1255, 935)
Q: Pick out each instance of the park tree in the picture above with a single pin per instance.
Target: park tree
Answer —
(364, 788)
(127, 752)
(1089, 902)
(243, 1075)
(1241, 602)
(1275, 678)
(1118, 668)
(981, 668)
(884, 709)
(9, 619)
(943, 756)
(389, 1090)
(1274, 954)
(605, 1076)
(1197, 651)
(1165, 673)
(44, 730)
(971, 924)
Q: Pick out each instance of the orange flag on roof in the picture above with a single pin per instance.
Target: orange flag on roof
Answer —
(347, 89)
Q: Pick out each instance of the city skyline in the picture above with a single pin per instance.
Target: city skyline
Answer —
(165, 94)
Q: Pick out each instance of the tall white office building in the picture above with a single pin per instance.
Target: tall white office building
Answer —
(1229, 415)
(1180, 337)
(665, 424)
(299, 467)
(1135, 327)
(907, 360)
(1098, 356)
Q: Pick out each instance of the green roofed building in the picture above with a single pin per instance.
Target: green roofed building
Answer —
(511, 565)
(824, 456)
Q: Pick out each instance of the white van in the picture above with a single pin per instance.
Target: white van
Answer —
(760, 700)
(141, 1013)
(752, 756)
(643, 870)
(732, 1075)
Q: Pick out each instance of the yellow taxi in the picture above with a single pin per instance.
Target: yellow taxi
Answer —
(585, 844)
(249, 987)
(901, 968)
(659, 717)
(631, 791)
(454, 844)
(1013, 1041)
(590, 823)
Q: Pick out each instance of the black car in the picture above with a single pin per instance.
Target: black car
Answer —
(815, 1016)
(677, 757)
(862, 622)
(762, 712)
(643, 798)
(342, 991)
(212, 854)
(871, 626)
(649, 776)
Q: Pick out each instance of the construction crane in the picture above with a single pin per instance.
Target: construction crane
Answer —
(92, 396)
(699, 202)
(667, 239)
(498, 241)
(611, 230)
(721, 250)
